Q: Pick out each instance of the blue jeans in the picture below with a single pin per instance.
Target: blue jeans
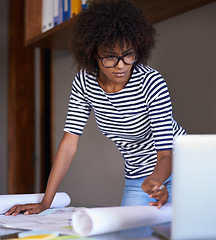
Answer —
(134, 195)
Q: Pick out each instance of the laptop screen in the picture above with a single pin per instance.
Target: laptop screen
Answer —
(194, 191)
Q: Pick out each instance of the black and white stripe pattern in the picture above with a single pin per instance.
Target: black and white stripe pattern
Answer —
(138, 118)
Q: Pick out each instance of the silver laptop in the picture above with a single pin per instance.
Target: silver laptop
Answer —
(194, 189)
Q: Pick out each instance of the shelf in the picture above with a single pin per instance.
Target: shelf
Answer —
(59, 37)
(159, 10)
(55, 38)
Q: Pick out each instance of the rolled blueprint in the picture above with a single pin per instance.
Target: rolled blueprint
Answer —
(61, 199)
(93, 221)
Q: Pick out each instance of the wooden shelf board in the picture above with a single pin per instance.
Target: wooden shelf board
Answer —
(157, 10)
(55, 38)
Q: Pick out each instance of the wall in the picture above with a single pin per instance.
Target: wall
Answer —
(185, 56)
(3, 94)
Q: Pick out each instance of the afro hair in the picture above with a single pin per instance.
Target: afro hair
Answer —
(105, 23)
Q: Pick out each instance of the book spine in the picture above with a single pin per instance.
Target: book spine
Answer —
(56, 12)
(84, 4)
(61, 10)
(76, 7)
(66, 9)
(47, 15)
(44, 16)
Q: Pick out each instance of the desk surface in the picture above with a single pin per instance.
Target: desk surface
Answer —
(145, 233)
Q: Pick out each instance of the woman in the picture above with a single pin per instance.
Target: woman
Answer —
(111, 44)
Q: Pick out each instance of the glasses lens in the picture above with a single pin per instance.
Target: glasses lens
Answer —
(112, 61)
(109, 61)
(130, 58)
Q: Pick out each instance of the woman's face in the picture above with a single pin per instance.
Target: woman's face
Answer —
(113, 69)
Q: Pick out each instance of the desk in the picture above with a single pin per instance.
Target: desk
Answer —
(145, 233)
(96, 221)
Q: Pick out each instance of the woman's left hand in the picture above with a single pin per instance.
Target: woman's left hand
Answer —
(155, 190)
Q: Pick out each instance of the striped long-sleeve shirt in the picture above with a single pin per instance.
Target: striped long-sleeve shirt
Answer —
(138, 118)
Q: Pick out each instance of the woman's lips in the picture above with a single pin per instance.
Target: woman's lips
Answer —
(119, 74)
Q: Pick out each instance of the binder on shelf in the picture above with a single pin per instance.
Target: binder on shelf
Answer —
(66, 9)
(84, 4)
(76, 6)
(47, 15)
(58, 12)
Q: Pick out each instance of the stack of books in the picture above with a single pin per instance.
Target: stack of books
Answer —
(55, 12)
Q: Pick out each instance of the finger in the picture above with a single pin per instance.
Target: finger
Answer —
(162, 187)
(157, 204)
(10, 211)
(159, 188)
(14, 211)
(162, 201)
(35, 209)
(158, 191)
(157, 195)
(32, 211)
(153, 203)
(19, 209)
(155, 188)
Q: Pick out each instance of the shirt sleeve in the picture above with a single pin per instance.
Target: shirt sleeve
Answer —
(78, 108)
(160, 112)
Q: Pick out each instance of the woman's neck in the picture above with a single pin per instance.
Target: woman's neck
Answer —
(110, 86)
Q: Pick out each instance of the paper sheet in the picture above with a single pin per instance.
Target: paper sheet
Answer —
(93, 221)
(56, 220)
(61, 199)
(89, 221)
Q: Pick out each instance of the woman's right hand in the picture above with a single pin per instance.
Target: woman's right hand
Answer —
(27, 209)
(65, 154)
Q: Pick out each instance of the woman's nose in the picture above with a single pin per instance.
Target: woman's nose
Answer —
(120, 64)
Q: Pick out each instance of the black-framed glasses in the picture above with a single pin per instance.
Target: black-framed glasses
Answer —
(112, 61)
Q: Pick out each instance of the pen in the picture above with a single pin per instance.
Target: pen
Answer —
(161, 187)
